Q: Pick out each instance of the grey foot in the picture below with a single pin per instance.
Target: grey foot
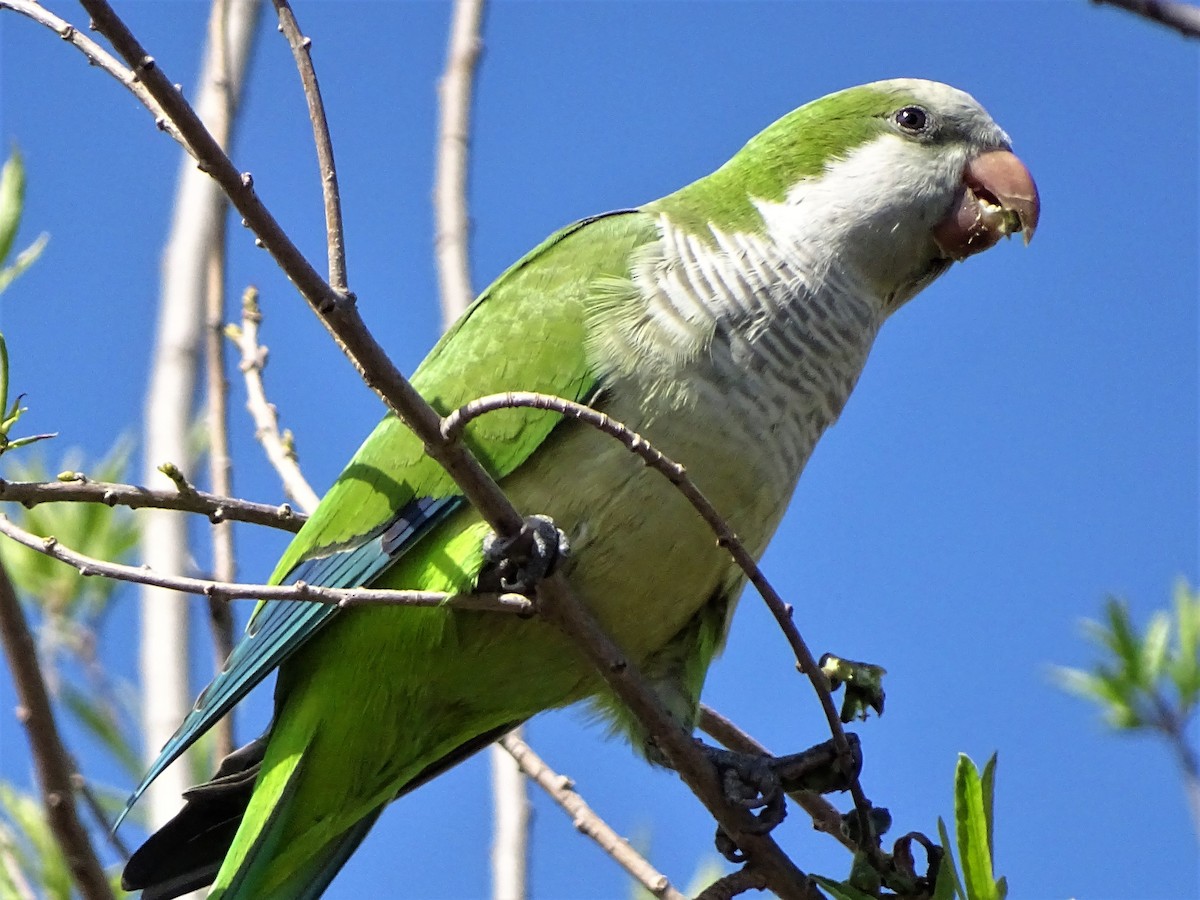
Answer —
(750, 781)
(519, 563)
(761, 782)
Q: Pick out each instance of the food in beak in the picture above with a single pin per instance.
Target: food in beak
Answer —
(996, 199)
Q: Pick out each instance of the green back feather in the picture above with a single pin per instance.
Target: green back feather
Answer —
(391, 467)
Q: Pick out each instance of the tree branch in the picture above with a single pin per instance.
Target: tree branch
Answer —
(96, 56)
(455, 92)
(453, 425)
(218, 509)
(337, 311)
(825, 815)
(1183, 17)
(300, 591)
(220, 464)
(335, 240)
(266, 420)
(729, 886)
(562, 790)
(52, 764)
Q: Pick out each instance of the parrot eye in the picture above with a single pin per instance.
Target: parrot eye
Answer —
(912, 118)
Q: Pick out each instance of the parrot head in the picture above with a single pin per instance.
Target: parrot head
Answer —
(885, 184)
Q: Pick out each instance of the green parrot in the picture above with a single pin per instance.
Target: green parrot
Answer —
(727, 323)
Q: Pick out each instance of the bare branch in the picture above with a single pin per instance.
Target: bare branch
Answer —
(511, 818)
(220, 465)
(52, 764)
(217, 508)
(729, 886)
(584, 818)
(96, 56)
(92, 802)
(266, 419)
(453, 424)
(455, 92)
(334, 238)
(337, 311)
(1183, 17)
(299, 591)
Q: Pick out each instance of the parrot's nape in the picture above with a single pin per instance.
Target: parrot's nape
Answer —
(728, 323)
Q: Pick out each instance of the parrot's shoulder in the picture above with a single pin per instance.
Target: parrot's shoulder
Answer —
(526, 332)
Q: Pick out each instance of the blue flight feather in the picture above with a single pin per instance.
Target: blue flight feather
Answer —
(280, 627)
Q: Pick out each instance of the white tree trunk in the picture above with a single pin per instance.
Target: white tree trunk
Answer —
(170, 397)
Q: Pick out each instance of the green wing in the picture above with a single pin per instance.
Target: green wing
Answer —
(525, 333)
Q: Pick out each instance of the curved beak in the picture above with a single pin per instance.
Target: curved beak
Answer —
(996, 199)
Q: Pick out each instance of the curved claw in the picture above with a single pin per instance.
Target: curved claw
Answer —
(748, 780)
(520, 562)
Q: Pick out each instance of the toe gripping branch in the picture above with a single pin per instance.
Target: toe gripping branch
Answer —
(759, 781)
(520, 562)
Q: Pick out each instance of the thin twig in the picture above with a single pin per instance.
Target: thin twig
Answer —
(556, 602)
(1183, 17)
(96, 56)
(452, 426)
(299, 591)
(455, 92)
(217, 508)
(729, 886)
(266, 419)
(562, 790)
(96, 808)
(220, 464)
(302, 52)
(825, 815)
(337, 311)
(52, 764)
(1167, 720)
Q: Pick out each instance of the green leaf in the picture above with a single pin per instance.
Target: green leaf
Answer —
(24, 260)
(1121, 638)
(91, 528)
(1153, 654)
(988, 788)
(104, 727)
(840, 890)
(12, 201)
(1184, 667)
(37, 851)
(947, 867)
(971, 829)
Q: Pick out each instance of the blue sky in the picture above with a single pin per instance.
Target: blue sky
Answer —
(1024, 440)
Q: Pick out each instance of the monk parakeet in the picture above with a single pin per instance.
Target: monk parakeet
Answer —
(727, 323)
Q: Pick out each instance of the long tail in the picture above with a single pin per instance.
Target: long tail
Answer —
(188, 852)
